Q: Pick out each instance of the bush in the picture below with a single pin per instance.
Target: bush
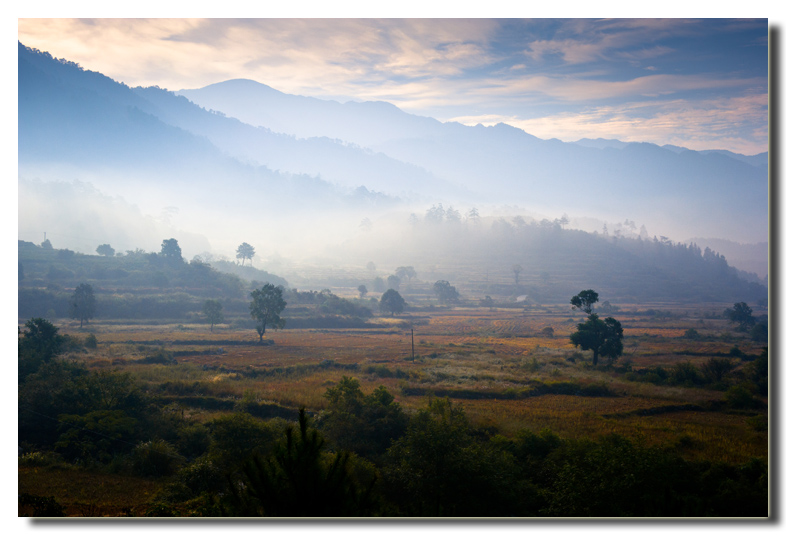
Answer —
(155, 458)
(91, 342)
(741, 397)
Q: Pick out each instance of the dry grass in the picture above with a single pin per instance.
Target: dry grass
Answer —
(475, 349)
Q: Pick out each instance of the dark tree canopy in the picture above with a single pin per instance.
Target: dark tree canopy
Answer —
(740, 314)
(603, 337)
(392, 303)
(245, 252)
(83, 303)
(105, 250)
(171, 250)
(362, 290)
(445, 292)
(266, 306)
(213, 311)
(584, 300)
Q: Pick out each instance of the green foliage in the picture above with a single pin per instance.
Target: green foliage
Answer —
(392, 303)
(83, 303)
(170, 250)
(759, 332)
(91, 342)
(445, 292)
(235, 437)
(685, 374)
(266, 306)
(365, 424)
(584, 300)
(741, 396)
(96, 436)
(438, 469)
(299, 480)
(603, 337)
(245, 252)
(39, 343)
(213, 311)
(741, 314)
(105, 250)
(716, 369)
(691, 334)
(155, 458)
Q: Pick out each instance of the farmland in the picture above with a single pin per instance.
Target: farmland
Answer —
(498, 365)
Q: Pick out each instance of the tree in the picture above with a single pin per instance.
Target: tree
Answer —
(38, 343)
(392, 302)
(213, 311)
(517, 269)
(603, 337)
(171, 250)
(266, 306)
(300, 479)
(584, 300)
(741, 314)
(362, 290)
(445, 292)
(83, 303)
(105, 250)
(394, 282)
(406, 272)
(245, 252)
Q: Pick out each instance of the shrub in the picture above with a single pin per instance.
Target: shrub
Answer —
(741, 397)
(91, 342)
(155, 458)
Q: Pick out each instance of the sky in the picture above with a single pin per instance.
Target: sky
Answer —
(696, 83)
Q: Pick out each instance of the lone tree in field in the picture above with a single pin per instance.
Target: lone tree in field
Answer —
(584, 300)
(83, 303)
(266, 306)
(603, 337)
(445, 292)
(171, 250)
(105, 250)
(245, 252)
(392, 303)
(213, 311)
(406, 272)
(741, 314)
(362, 290)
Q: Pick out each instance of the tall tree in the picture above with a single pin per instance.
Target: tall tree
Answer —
(213, 311)
(105, 250)
(584, 300)
(603, 337)
(171, 250)
(445, 292)
(392, 303)
(266, 306)
(740, 314)
(245, 252)
(83, 303)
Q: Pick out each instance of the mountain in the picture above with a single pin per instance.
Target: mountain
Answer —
(83, 119)
(676, 192)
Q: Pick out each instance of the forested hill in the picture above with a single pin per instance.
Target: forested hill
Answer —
(554, 261)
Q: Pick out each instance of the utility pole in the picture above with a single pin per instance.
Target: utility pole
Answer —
(412, 331)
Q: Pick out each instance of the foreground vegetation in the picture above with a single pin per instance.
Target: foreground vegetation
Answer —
(497, 415)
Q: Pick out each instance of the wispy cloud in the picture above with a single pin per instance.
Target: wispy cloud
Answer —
(597, 71)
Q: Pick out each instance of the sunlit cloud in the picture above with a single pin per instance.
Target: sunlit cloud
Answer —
(597, 71)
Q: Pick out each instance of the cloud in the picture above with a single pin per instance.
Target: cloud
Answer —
(724, 123)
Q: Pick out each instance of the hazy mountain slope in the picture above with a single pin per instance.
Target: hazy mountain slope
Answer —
(686, 193)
